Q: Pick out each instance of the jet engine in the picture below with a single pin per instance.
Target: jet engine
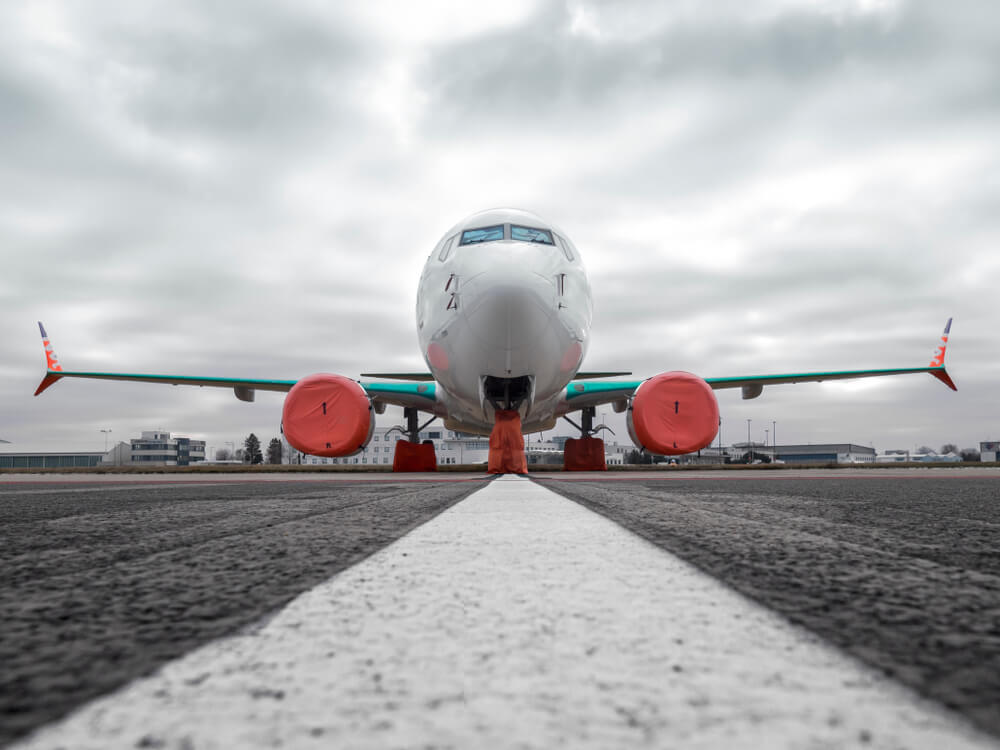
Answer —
(673, 413)
(327, 415)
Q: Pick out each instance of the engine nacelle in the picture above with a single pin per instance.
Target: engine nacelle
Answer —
(327, 415)
(673, 413)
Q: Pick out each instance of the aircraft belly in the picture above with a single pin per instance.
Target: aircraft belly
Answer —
(471, 358)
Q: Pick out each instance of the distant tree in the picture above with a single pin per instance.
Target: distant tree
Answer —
(240, 455)
(274, 451)
(753, 457)
(223, 454)
(252, 454)
(949, 448)
(925, 449)
(638, 457)
(970, 454)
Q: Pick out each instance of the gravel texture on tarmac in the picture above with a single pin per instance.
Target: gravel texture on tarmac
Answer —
(101, 584)
(903, 574)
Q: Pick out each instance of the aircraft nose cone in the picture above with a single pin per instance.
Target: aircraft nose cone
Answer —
(509, 312)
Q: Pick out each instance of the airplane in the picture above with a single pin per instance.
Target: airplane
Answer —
(503, 320)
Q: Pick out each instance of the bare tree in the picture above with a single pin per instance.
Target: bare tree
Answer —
(970, 454)
(949, 448)
(223, 454)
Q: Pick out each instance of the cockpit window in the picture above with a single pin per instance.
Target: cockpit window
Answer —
(527, 234)
(485, 234)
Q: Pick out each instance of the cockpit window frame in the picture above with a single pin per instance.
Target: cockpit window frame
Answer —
(546, 232)
(566, 247)
(446, 248)
(463, 242)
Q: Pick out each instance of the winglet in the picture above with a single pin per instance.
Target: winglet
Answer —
(52, 366)
(937, 361)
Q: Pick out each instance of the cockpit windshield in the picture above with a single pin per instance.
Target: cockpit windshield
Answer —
(527, 234)
(497, 233)
(484, 234)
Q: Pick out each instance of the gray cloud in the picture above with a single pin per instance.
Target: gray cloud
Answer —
(223, 188)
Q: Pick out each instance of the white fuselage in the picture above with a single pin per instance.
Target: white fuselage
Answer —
(503, 319)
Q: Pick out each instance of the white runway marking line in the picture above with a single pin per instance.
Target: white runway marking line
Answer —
(515, 619)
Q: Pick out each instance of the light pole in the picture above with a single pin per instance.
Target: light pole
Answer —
(749, 448)
(774, 439)
(106, 433)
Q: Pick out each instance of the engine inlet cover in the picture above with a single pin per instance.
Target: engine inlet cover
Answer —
(673, 413)
(327, 415)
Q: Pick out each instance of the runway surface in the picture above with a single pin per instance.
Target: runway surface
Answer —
(111, 582)
(900, 570)
(103, 581)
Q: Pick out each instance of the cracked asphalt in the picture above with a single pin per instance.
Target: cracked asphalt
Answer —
(100, 584)
(902, 573)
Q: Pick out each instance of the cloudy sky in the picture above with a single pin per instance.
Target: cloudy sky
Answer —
(251, 188)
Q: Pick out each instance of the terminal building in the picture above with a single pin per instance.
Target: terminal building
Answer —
(451, 448)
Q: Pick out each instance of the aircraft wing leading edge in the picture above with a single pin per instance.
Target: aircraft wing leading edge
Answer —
(581, 395)
(419, 395)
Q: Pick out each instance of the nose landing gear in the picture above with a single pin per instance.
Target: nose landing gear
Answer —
(507, 444)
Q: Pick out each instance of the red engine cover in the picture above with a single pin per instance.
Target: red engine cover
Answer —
(327, 415)
(673, 413)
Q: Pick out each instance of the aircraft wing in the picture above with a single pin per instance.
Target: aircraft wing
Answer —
(581, 395)
(419, 395)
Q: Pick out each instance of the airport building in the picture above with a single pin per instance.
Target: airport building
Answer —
(451, 448)
(989, 451)
(841, 453)
(907, 456)
(162, 449)
(70, 460)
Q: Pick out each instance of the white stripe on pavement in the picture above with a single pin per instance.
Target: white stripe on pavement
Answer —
(516, 619)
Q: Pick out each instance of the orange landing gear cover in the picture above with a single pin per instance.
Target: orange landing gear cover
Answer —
(584, 454)
(414, 456)
(507, 445)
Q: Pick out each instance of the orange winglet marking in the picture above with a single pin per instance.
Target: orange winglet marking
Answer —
(938, 359)
(51, 361)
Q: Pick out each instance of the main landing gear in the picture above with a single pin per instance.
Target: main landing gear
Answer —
(411, 454)
(585, 453)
